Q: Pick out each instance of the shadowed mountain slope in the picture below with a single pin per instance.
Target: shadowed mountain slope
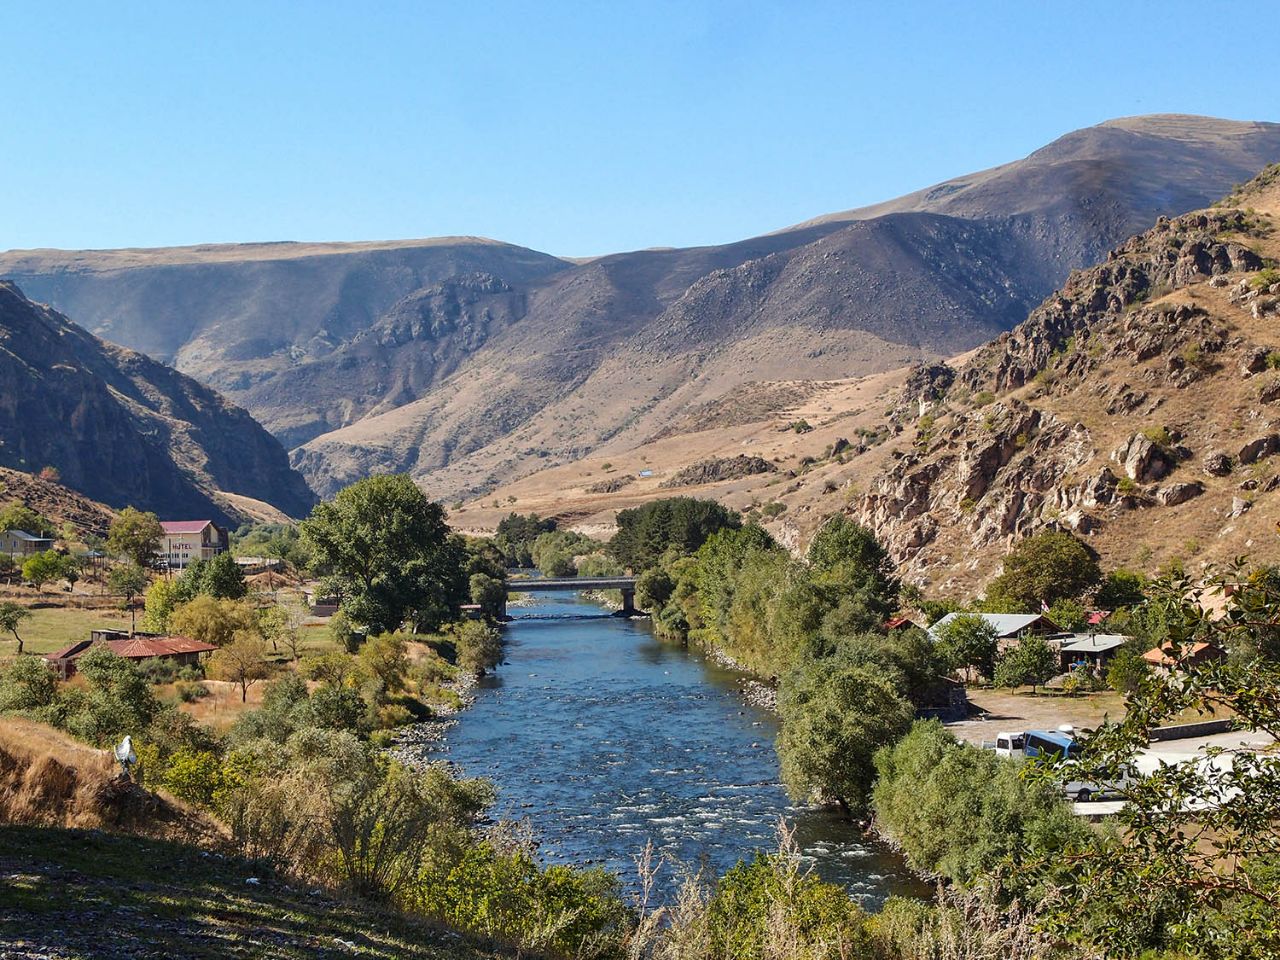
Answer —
(124, 429)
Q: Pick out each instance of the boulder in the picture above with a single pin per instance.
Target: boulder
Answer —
(1176, 493)
(1270, 392)
(1217, 463)
(1239, 507)
(1255, 450)
(1142, 459)
(1254, 361)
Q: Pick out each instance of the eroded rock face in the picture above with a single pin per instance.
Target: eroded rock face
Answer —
(1143, 460)
(718, 469)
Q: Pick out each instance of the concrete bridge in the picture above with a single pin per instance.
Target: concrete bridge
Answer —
(578, 584)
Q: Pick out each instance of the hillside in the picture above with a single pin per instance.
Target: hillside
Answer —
(1134, 407)
(122, 429)
(58, 503)
(470, 363)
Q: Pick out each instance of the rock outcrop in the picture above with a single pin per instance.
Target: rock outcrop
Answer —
(718, 469)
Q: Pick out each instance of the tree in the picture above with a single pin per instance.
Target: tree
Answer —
(135, 535)
(969, 641)
(18, 516)
(834, 719)
(27, 684)
(1121, 588)
(1031, 661)
(243, 662)
(219, 577)
(281, 625)
(479, 646)
(854, 574)
(159, 605)
(515, 536)
(1045, 568)
(11, 617)
(388, 552)
(489, 593)
(128, 582)
(1127, 672)
(645, 533)
(41, 568)
(212, 621)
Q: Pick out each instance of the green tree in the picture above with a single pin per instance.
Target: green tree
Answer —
(1127, 672)
(516, 534)
(479, 646)
(1029, 662)
(27, 684)
(961, 812)
(42, 568)
(854, 574)
(159, 605)
(645, 533)
(1121, 588)
(18, 516)
(217, 622)
(219, 577)
(834, 719)
(11, 617)
(970, 642)
(489, 593)
(1045, 568)
(387, 550)
(135, 535)
(128, 581)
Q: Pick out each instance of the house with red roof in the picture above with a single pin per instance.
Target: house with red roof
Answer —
(1171, 658)
(186, 541)
(138, 648)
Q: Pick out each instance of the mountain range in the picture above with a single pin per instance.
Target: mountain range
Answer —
(470, 363)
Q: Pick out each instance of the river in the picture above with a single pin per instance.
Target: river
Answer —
(601, 737)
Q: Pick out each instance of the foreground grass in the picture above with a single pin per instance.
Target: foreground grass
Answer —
(70, 894)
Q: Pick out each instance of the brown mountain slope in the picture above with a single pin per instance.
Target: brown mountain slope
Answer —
(1139, 406)
(470, 363)
(124, 429)
(54, 501)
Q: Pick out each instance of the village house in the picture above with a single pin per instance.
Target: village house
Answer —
(19, 543)
(1169, 659)
(186, 541)
(182, 651)
(1092, 651)
(1008, 626)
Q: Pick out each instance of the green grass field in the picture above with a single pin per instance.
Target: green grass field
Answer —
(72, 893)
(51, 628)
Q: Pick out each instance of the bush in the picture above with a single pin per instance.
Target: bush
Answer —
(189, 691)
(27, 684)
(479, 646)
(768, 908)
(958, 811)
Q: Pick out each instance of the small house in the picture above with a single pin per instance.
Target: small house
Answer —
(138, 648)
(19, 543)
(1168, 658)
(1093, 651)
(186, 541)
(1008, 626)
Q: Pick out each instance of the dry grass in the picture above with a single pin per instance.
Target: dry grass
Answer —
(51, 628)
(48, 779)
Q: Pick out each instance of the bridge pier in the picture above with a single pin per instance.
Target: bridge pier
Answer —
(628, 601)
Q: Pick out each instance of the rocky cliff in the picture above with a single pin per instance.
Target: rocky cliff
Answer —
(123, 429)
(1136, 407)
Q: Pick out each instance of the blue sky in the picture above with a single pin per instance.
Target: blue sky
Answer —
(572, 128)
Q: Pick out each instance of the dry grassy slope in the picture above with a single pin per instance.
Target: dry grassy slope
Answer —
(60, 504)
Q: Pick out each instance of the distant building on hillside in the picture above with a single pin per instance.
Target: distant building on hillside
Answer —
(1170, 659)
(139, 647)
(186, 541)
(19, 543)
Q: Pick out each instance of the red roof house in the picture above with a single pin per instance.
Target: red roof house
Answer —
(181, 650)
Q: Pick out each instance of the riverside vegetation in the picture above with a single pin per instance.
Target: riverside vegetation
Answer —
(302, 785)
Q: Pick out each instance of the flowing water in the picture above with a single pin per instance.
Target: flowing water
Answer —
(602, 738)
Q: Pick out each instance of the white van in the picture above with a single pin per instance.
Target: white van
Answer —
(1009, 744)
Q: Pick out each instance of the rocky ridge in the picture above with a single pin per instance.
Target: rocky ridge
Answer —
(1134, 407)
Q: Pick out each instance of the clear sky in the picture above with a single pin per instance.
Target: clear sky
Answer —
(573, 128)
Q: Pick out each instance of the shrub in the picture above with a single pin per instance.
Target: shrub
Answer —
(983, 397)
(769, 907)
(27, 684)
